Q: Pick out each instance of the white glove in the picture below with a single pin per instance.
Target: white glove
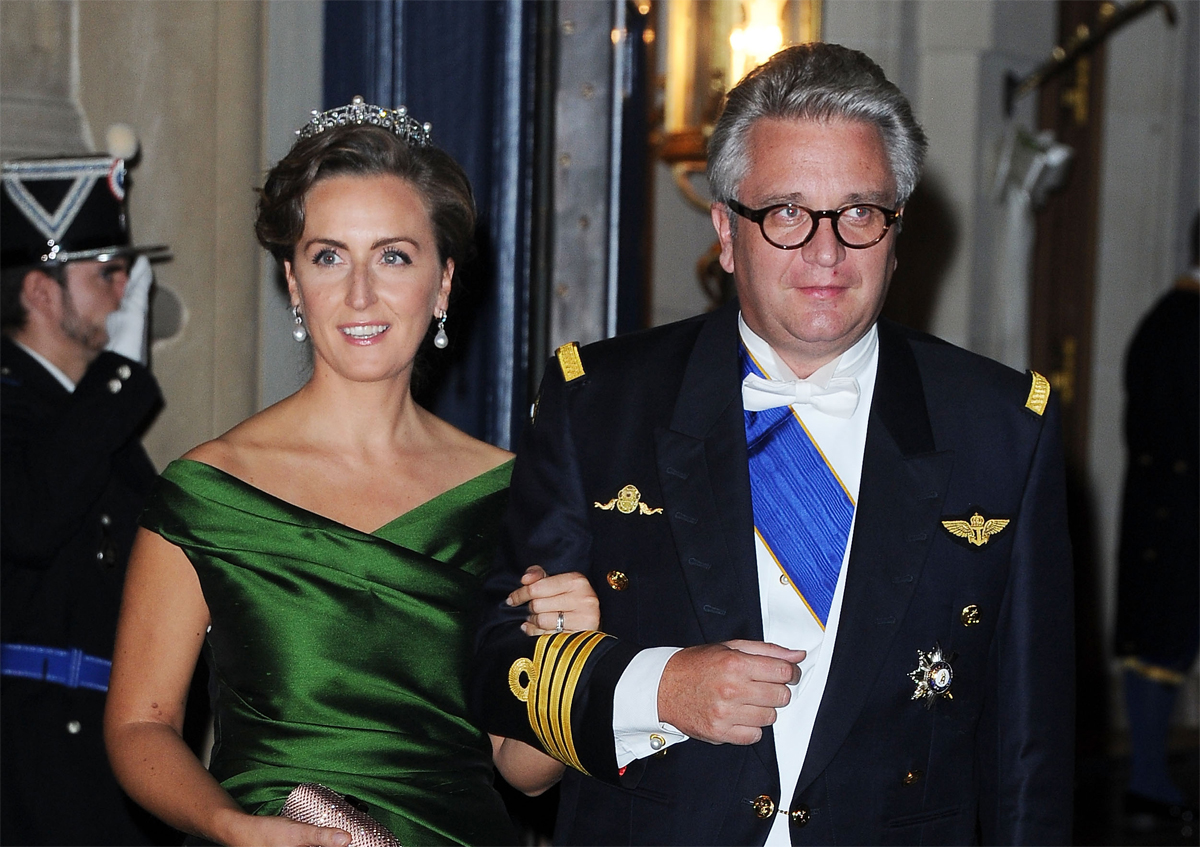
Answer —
(127, 325)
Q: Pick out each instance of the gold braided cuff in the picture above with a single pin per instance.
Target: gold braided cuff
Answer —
(548, 688)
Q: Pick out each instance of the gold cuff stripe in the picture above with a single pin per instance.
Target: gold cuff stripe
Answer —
(1039, 393)
(569, 361)
(1154, 673)
(548, 718)
(585, 650)
(553, 674)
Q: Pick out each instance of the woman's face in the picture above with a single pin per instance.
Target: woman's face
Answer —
(366, 275)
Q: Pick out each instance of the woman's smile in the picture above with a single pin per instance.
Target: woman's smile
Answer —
(364, 334)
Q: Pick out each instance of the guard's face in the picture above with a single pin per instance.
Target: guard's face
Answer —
(810, 304)
(92, 292)
(366, 275)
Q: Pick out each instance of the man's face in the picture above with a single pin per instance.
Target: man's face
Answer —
(93, 290)
(810, 304)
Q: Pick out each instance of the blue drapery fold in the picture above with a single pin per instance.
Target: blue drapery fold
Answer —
(466, 67)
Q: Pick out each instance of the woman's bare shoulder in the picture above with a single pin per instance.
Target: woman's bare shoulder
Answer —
(476, 457)
(246, 445)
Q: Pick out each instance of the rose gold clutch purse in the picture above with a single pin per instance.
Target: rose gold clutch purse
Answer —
(317, 805)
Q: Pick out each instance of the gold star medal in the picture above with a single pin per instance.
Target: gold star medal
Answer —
(933, 676)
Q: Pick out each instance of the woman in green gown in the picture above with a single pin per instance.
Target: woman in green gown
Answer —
(327, 553)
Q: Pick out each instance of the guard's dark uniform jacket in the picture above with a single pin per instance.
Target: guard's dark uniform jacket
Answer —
(954, 441)
(1158, 620)
(74, 476)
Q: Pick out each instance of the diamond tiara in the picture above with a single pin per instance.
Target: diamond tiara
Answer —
(358, 111)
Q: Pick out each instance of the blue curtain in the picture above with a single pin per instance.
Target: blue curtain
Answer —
(468, 68)
(482, 72)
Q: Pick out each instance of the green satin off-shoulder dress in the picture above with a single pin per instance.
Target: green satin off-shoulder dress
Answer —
(340, 657)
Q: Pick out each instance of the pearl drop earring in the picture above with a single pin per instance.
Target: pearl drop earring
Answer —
(441, 340)
(299, 332)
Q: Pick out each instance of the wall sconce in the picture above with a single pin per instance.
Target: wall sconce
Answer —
(711, 44)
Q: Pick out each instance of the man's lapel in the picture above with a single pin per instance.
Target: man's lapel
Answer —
(900, 496)
(705, 480)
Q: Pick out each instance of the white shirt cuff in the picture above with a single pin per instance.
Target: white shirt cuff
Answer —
(637, 731)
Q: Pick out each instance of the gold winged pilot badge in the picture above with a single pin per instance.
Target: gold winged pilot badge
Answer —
(977, 529)
(627, 501)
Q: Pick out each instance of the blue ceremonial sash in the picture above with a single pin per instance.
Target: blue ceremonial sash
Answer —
(802, 512)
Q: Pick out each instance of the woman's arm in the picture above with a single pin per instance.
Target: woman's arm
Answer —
(159, 635)
(524, 767)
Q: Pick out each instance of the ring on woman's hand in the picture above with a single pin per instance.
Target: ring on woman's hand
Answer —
(558, 627)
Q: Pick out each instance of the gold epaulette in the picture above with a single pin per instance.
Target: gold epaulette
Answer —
(549, 688)
(1039, 393)
(569, 361)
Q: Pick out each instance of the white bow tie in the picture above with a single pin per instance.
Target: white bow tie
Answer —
(839, 398)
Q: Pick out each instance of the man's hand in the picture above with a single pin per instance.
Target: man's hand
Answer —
(726, 693)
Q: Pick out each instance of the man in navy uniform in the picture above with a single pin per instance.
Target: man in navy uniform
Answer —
(831, 552)
(74, 475)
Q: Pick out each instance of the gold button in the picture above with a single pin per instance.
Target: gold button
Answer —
(800, 815)
(618, 581)
(970, 615)
(657, 742)
(911, 777)
(764, 806)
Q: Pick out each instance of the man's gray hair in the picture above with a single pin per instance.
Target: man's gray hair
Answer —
(819, 82)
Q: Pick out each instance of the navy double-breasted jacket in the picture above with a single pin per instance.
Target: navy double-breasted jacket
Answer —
(74, 477)
(950, 435)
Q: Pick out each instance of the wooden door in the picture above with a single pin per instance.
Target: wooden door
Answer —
(1061, 307)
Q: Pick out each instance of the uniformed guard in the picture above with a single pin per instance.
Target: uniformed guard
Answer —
(74, 477)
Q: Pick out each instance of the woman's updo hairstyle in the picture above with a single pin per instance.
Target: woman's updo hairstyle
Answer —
(366, 150)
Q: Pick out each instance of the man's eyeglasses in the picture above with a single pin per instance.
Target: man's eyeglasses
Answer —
(789, 227)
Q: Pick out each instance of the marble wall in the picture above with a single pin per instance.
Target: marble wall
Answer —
(186, 77)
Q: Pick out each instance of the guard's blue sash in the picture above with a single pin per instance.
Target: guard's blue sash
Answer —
(802, 512)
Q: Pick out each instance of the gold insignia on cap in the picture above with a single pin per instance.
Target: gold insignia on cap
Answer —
(1039, 393)
(627, 501)
(977, 529)
(569, 361)
(548, 692)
